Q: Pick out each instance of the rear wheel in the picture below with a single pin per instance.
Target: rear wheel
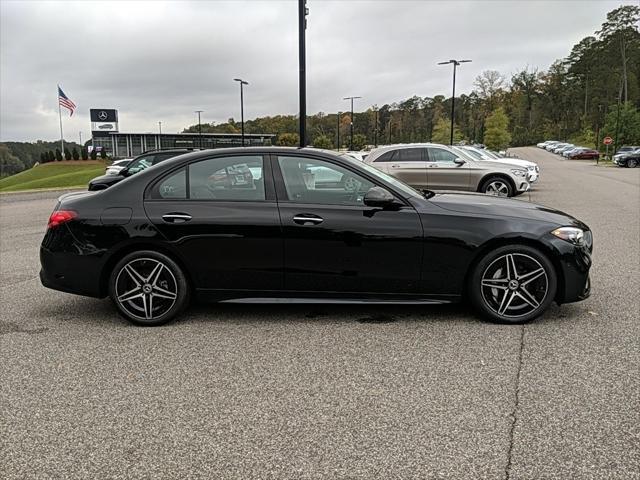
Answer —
(513, 284)
(497, 186)
(148, 288)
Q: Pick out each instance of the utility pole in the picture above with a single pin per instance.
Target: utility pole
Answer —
(455, 63)
(199, 128)
(351, 134)
(303, 11)
(242, 83)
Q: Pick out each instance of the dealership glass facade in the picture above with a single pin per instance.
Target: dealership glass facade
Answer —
(126, 145)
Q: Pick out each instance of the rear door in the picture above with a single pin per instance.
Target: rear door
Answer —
(221, 215)
(443, 173)
(406, 164)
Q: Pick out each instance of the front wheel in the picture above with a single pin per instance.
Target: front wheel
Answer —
(497, 186)
(148, 288)
(632, 163)
(513, 284)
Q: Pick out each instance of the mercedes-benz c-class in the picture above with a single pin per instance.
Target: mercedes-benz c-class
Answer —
(305, 225)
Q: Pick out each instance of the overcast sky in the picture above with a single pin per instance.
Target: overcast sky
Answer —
(163, 60)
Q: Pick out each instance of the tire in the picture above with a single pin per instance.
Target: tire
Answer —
(501, 297)
(497, 185)
(632, 162)
(148, 288)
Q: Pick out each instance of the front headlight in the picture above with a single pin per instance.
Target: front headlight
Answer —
(570, 234)
(531, 168)
(519, 173)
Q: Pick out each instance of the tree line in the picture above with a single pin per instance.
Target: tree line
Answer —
(592, 93)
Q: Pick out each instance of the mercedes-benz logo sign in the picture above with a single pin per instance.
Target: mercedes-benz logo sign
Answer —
(102, 115)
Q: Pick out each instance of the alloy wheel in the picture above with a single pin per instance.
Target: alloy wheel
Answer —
(514, 285)
(498, 188)
(632, 163)
(146, 288)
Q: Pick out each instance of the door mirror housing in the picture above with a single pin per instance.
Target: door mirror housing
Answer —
(379, 197)
(459, 161)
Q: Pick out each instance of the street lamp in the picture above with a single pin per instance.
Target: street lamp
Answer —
(199, 127)
(338, 132)
(351, 134)
(375, 128)
(160, 136)
(453, 96)
(242, 83)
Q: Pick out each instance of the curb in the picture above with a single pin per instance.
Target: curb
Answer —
(44, 190)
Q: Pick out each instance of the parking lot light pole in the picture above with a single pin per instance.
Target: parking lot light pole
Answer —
(375, 127)
(338, 132)
(351, 133)
(199, 128)
(455, 63)
(160, 136)
(242, 83)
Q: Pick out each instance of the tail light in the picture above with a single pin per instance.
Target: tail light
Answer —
(61, 216)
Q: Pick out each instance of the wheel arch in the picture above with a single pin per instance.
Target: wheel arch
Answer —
(503, 176)
(126, 249)
(516, 240)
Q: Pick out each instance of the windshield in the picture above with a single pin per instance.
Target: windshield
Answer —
(403, 187)
(464, 154)
(140, 164)
(472, 153)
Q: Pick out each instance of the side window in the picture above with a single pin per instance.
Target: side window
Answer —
(174, 186)
(309, 180)
(409, 155)
(141, 163)
(440, 155)
(387, 157)
(162, 157)
(227, 178)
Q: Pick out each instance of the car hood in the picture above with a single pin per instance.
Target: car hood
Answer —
(497, 165)
(107, 179)
(518, 162)
(479, 204)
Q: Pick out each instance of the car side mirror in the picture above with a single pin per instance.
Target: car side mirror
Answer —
(379, 197)
(459, 161)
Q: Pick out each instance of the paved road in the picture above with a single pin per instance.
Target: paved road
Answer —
(328, 392)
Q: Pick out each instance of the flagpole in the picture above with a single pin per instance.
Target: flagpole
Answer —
(60, 115)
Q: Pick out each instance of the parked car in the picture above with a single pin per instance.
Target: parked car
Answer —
(546, 143)
(627, 149)
(357, 155)
(438, 167)
(156, 240)
(629, 159)
(136, 165)
(117, 166)
(561, 148)
(550, 146)
(567, 151)
(533, 170)
(584, 154)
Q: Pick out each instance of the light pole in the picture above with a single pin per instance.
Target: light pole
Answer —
(351, 133)
(242, 83)
(453, 95)
(160, 136)
(338, 132)
(303, 11)
(375, 127)
(80, 133)
(199, 128)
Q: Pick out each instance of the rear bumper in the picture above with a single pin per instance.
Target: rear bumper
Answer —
(70, 273)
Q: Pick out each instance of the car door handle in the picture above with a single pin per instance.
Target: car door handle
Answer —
(176, 217)
(395, 165)
(433, 166)
(307, 218)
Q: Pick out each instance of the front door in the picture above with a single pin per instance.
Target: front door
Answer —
(443, 173)
(333, 242)
(221, 216)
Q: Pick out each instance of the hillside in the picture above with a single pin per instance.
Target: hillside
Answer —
(53, 175)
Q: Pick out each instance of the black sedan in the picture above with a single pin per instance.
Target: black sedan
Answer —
(303, 225)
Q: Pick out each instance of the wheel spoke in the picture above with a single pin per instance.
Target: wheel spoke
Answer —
(512, 273)
(155, 274)
(147, 303)
(135, 276)
(162, 293)
(531, 276)
(131, 294)
(527, 297)
(504, 305)
(495, 283)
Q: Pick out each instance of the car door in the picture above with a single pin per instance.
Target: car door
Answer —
(443, 173)
(221, 216)
(406, 164)
(332, 241)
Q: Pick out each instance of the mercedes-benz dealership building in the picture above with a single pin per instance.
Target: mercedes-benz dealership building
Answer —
(105, 135)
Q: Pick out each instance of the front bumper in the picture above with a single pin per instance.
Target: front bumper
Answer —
(574, 264)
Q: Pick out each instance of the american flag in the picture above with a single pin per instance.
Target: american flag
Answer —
(64, 101)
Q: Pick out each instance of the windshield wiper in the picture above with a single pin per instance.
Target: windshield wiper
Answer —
(427, 193)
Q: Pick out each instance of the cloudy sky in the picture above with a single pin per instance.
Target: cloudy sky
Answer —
(160, 61)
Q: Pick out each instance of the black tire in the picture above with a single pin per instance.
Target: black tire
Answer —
(632, 162)
(485, 285)
(489, 184)
(148, 288)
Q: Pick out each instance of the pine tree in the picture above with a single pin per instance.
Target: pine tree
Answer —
(75, 154)
(84, 153)
(67, 154)
(496, 134)
(94, 154)
(58, 155)
(51, 156)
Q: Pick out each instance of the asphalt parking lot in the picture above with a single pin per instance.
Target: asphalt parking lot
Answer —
(298, 392)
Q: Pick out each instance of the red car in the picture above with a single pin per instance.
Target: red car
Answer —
(587, 154)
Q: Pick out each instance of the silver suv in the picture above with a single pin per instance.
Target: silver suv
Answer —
(438, 167)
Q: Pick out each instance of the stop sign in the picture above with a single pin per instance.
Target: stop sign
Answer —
(607, 140)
